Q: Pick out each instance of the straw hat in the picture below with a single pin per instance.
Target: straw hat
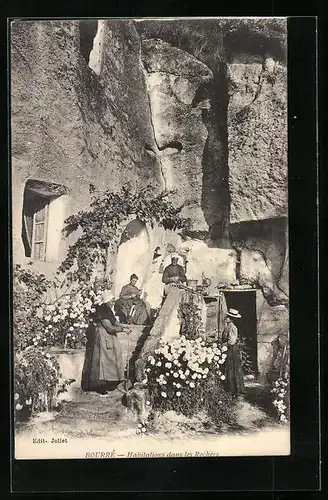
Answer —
(233, 313)
(107, 296)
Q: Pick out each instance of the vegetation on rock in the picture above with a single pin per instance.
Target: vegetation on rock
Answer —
(101, 225)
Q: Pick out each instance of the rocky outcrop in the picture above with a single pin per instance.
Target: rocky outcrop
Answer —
(257, 127)
(173, 78)
(272, 322)
(263, 257)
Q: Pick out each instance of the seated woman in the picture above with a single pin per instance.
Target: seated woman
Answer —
(103, 368)
(173, 274)
(129, 307)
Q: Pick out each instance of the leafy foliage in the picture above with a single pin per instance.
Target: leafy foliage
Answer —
(107, 213)
(281, 403)
(191, 320)
(212, 41)
(37, 382)
(28, 295)
(246, 361)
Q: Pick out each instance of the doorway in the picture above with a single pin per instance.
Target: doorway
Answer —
(245, 303)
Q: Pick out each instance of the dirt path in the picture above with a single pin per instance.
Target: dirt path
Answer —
(93, 424)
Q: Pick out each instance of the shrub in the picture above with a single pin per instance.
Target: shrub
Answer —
(191, 320)
(28, 296)
(185, 376)
(279, 377)
(281, 403)
(67, 318)
(245, 358)
(37, 382)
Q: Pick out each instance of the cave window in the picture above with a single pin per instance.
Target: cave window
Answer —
(42, 219)
(88, 31)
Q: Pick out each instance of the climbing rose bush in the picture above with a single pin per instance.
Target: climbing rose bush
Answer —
(185, 375)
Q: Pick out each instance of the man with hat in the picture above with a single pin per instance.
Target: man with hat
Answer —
(103, 368)
(234, 377)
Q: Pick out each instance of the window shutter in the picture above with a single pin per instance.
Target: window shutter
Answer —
(40, 219)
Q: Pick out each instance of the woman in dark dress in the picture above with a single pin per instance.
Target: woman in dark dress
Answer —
(234, 377)
(103, 364)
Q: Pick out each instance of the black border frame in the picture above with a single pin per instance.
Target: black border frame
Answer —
(300, 472)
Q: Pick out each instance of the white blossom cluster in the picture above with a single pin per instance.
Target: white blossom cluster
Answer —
(70, 315)
(181, 363)
(280, 392)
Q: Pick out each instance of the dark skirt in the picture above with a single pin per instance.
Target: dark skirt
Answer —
(232, 369)
(103, 362)
(123, 311)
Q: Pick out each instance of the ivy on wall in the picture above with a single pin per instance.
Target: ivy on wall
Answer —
(102, 224)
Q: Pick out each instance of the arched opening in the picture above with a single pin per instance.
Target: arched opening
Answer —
(133, 256)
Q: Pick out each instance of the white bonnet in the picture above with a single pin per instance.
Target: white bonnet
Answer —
(107, 296)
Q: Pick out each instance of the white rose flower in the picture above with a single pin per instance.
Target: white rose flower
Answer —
(175, 375)
(222, 377)
(178, 393)
(224, 348)
(159, 363)
(164, 394)
(192, 384)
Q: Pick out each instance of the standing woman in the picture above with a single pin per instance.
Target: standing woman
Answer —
(103, 368)
(234, 377)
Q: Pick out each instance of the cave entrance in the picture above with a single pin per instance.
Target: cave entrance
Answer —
(133, 254)
(245, 302)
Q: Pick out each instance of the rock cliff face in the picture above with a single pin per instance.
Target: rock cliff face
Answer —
(257, 127)
(71, 126)
(173, 78)
(93, 104)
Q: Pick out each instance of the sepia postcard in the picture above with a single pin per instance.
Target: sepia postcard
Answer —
(150, 238)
